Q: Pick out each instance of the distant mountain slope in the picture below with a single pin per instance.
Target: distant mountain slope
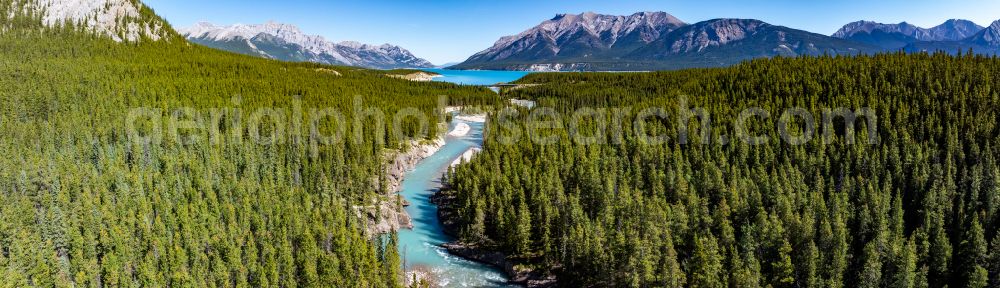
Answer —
(954, 30)
(121, 20)
(585, 37)
(896, 36)
(650, 41)
(722, 42)
(989, 37)
(986, 41)
(288, 43)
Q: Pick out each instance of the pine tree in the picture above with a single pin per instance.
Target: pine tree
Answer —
(905, 275)
(705, 264)
(783, 268)
(973, 255)
(670, 271)
(871, 271)
(523, 229)
(392, 263)
(994, 260)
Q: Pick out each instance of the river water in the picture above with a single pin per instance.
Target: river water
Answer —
(420, 246)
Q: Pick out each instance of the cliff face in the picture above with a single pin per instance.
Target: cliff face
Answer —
(386, 214)
(403, 162)
(120, 20)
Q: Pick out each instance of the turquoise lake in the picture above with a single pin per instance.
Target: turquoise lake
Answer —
(420, 246)
(473, 77)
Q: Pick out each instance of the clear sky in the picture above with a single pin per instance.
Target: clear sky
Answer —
(451, 31)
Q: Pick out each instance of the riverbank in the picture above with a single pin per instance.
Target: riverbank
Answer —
(421, 247)
(387, 214)
(517, 272)
(466, 157)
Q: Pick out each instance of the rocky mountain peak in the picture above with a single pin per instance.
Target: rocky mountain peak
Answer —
(868, 27)
(121, 20)
(954, 30)
(582, 35)
(717, 32)
(991, 35)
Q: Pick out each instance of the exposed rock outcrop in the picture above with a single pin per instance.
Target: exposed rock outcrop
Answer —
(402, 162)
(420, 275)
(518, 275)
(386, 214)
(419, 76)
(121, 20)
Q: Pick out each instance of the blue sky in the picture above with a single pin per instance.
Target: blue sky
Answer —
(451, 31)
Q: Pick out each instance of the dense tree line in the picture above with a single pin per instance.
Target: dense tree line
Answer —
(83, 204)
(920, 208)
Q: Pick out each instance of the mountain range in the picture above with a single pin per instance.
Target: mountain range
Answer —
(657, 40)
(986, 41)
(574, 39)
(567, 42)
(288, 43)
(896, 36)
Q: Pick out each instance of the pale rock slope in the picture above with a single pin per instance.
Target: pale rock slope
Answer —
(121, 20)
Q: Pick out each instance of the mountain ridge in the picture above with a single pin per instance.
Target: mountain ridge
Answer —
(586, 35)
(120, 20)
(897, 36)
(727, 41)
(594, 42)
(287, 42)
(668, 43)
(986, 41)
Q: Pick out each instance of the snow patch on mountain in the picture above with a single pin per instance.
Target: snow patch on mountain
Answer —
(314, 48)
(286, 32)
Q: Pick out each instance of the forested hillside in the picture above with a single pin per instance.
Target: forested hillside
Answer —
(83, 204)
(920, 208)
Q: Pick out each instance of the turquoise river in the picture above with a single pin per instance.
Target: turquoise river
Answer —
(420, 246)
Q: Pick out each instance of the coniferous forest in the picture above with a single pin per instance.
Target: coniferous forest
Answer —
(82, 204)
(918, 208)
(91, 196)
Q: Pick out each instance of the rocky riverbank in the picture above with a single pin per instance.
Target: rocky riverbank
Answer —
(386, 213)
(402, 162)
(518, 273)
